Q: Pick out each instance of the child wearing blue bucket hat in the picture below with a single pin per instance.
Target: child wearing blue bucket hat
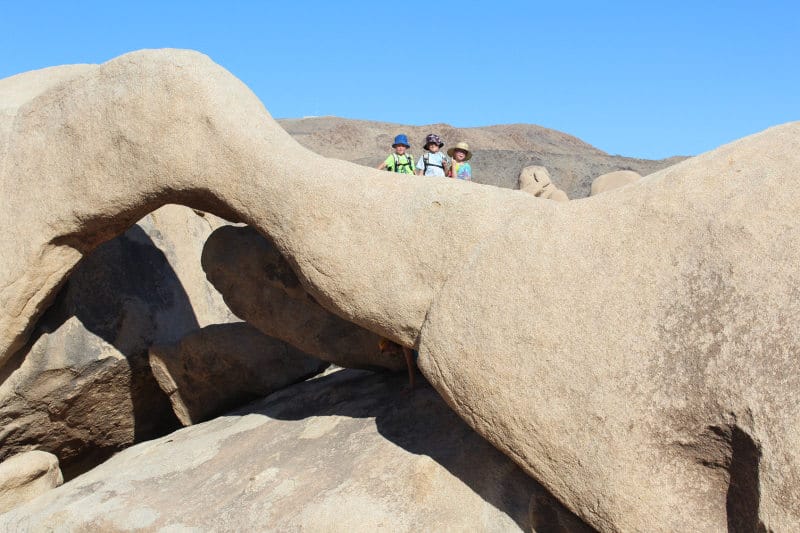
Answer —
(399, 160)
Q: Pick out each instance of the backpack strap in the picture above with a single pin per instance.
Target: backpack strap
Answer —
(429, 164)
(398, 164)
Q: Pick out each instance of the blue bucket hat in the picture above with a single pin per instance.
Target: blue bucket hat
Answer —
(401, 139)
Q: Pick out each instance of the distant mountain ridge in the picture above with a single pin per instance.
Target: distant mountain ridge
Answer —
(500, 152)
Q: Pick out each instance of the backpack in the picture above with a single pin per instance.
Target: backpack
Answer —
(397, 164)
(445, 166)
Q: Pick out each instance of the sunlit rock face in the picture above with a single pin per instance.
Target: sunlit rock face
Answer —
(613, 180)
(635, 352)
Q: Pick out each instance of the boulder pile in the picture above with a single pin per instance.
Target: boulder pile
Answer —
(82, 387)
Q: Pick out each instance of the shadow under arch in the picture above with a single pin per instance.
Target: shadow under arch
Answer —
(126, 293)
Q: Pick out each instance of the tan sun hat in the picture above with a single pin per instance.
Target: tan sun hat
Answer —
(460, 146)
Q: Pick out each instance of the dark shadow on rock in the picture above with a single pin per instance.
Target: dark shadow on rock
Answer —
(420, 422)
(744, 495)
(126, 293)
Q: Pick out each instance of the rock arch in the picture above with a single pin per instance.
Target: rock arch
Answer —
(89, 150)
(594, 388)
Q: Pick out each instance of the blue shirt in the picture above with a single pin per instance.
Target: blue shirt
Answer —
(434, 158)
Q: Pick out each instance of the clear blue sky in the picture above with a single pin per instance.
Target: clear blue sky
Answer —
(640, 79)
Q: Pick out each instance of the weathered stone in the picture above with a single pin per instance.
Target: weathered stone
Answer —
(180, 234)
(613, 180)
(221, 367)
(652, 383)
(173, 127)
(27, 475)
(78, 397)
(536, 180)
(351, 451)
(83, 388)
(660, 399)
(260, 286)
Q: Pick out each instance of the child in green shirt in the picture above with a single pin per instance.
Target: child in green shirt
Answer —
(399, 160)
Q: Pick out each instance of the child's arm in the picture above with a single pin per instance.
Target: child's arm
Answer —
(420, 166)
(386, 162)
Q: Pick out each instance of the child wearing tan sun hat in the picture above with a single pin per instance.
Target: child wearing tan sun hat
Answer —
(460, 169)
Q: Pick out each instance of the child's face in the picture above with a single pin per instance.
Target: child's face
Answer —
(400, 149)
(433, 147)
(459, 155)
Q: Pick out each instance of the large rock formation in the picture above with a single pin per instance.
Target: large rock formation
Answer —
(260, 286)
(660, 399)
(347, 452)
(657, 355)
(172, 127)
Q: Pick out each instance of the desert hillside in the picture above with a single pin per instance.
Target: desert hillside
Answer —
(500, 152)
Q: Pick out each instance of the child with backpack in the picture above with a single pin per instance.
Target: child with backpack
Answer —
(399, 160)
(433, 163)
(460, 169)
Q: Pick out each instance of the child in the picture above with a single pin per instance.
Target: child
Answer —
(399, 161)
(433, 163)
(460, 168)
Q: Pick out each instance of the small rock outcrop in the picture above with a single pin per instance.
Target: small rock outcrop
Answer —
(221, 367)
(25, 476)
(613, 180)
(536, 180)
